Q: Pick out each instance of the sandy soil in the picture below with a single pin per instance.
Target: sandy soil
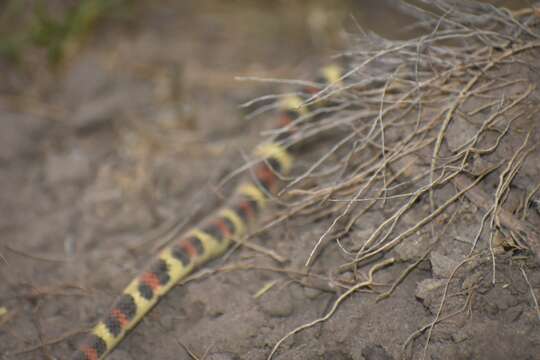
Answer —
(130, 137)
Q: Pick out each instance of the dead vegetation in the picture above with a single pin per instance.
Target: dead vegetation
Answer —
(427, 131)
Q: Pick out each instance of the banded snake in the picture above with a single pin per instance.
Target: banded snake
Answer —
(208, 240)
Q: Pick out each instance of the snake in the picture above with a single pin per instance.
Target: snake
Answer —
(214, 235)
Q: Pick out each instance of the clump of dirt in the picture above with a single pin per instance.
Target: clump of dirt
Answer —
(409, 230)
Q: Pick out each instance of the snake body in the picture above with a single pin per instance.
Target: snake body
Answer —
(208, 240)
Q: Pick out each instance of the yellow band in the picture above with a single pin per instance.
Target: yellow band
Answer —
(101, 330)
(176, 269)
(254, 193)
(239, 225)
(278, 152)
(210, 244)
(294, 103)
(332, 74)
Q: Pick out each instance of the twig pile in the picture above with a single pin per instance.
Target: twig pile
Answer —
(420, 126)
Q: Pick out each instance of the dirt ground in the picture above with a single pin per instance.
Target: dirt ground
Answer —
(130, 137)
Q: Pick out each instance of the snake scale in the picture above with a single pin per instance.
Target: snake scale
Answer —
(211, 238)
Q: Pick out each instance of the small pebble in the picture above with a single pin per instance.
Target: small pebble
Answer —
(425, 288)
(277, 303)
(441, 265)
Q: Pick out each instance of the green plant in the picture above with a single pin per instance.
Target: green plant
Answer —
(56, 34)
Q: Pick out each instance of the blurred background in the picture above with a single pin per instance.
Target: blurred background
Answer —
(58, 27)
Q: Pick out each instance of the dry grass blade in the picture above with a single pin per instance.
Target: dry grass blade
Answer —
(336, 304)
